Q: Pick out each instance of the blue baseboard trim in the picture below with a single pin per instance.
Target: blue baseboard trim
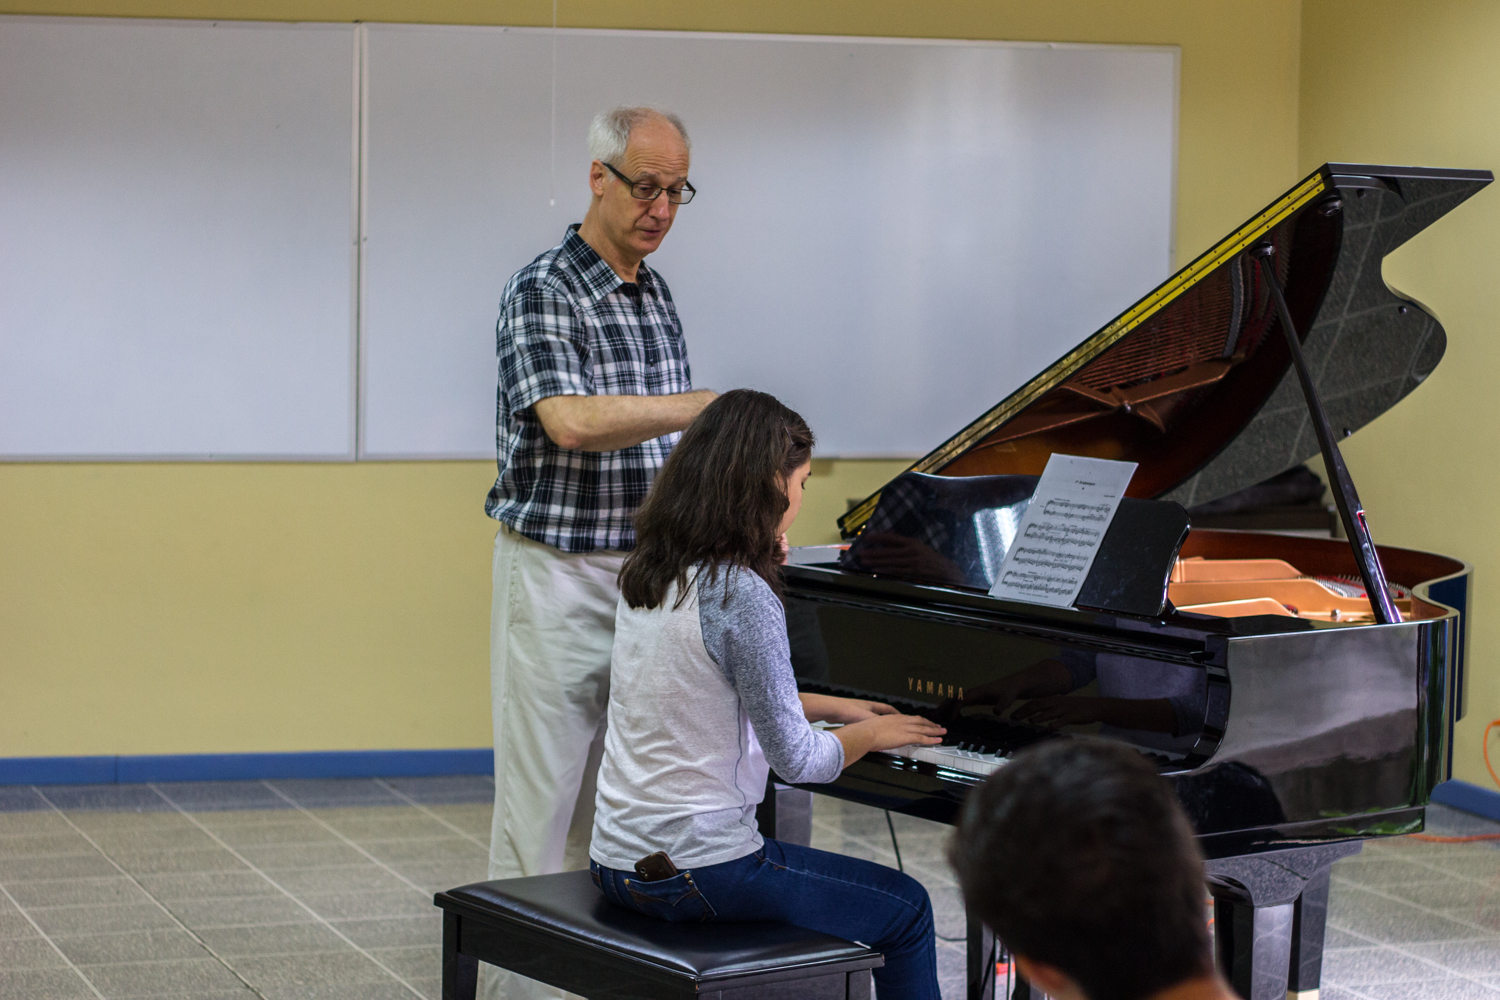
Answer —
(244, 766)
(1470, 798)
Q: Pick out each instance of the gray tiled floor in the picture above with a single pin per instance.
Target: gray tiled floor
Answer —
(285, 889)
(322, 890)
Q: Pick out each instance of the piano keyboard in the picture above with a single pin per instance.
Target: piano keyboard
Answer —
(972, 761)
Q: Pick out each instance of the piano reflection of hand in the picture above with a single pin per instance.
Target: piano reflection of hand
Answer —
(1155, 715)
(1048, 677)
(887, 553)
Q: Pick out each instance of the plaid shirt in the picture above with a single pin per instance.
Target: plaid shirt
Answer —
(570, 327)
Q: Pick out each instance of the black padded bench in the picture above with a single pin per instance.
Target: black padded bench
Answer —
(561, 930)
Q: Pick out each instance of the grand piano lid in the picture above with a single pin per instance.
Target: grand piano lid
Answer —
(1193, 382)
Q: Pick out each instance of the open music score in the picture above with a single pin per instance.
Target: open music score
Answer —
(1062, 529)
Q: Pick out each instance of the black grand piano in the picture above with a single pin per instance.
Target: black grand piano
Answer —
(1296, 716)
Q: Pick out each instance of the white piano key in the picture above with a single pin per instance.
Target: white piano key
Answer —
(952, 757)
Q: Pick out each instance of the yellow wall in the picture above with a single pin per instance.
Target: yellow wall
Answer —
(222, 608)
(1390, 82)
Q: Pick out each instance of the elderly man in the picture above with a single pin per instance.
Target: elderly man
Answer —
(594, 388)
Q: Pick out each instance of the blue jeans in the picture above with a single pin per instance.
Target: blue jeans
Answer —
(846, 897)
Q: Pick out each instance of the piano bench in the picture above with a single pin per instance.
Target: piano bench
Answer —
(561, 930)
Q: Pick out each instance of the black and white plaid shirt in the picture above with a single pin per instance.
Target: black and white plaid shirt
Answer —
(570, 327)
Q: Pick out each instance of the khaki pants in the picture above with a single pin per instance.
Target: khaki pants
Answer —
(552, 626)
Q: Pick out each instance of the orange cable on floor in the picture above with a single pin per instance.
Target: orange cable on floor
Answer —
(1433, 838)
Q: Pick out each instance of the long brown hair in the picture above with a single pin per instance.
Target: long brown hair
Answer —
(719, 497)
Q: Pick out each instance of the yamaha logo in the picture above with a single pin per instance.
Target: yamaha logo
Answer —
(918, 686)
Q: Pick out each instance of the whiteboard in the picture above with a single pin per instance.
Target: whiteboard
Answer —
(890, 235)
(177, 257)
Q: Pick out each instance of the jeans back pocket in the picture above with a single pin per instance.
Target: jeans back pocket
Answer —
(676, 899)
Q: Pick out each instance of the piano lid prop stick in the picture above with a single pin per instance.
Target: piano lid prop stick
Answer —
(1351, 511)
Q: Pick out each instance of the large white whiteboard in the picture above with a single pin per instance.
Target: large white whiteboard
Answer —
(890, 235)
(176, 252)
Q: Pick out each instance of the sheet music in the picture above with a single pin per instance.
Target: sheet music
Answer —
(1061, 531)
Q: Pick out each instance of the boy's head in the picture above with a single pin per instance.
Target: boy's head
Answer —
(1078, 856)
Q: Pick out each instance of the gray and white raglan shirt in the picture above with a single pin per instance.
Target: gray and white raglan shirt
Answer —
(702, 700)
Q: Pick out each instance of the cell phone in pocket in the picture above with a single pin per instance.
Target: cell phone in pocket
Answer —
(655, 867)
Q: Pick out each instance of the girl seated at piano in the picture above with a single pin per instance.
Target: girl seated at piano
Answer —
(703, 700)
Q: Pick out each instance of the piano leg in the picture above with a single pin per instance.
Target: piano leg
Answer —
(1254, 947)
(982, 952)
(1269, 912)
(1307, 939)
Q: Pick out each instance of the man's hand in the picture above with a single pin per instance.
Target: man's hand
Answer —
(827, 708)
(886, 732)
(609, 423)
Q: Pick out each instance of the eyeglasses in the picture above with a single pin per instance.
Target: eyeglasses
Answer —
(646, 191)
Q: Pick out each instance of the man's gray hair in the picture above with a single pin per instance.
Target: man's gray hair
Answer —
(610, 132)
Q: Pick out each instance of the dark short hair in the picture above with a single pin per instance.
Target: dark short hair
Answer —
(719, 497)
(1078, 855)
